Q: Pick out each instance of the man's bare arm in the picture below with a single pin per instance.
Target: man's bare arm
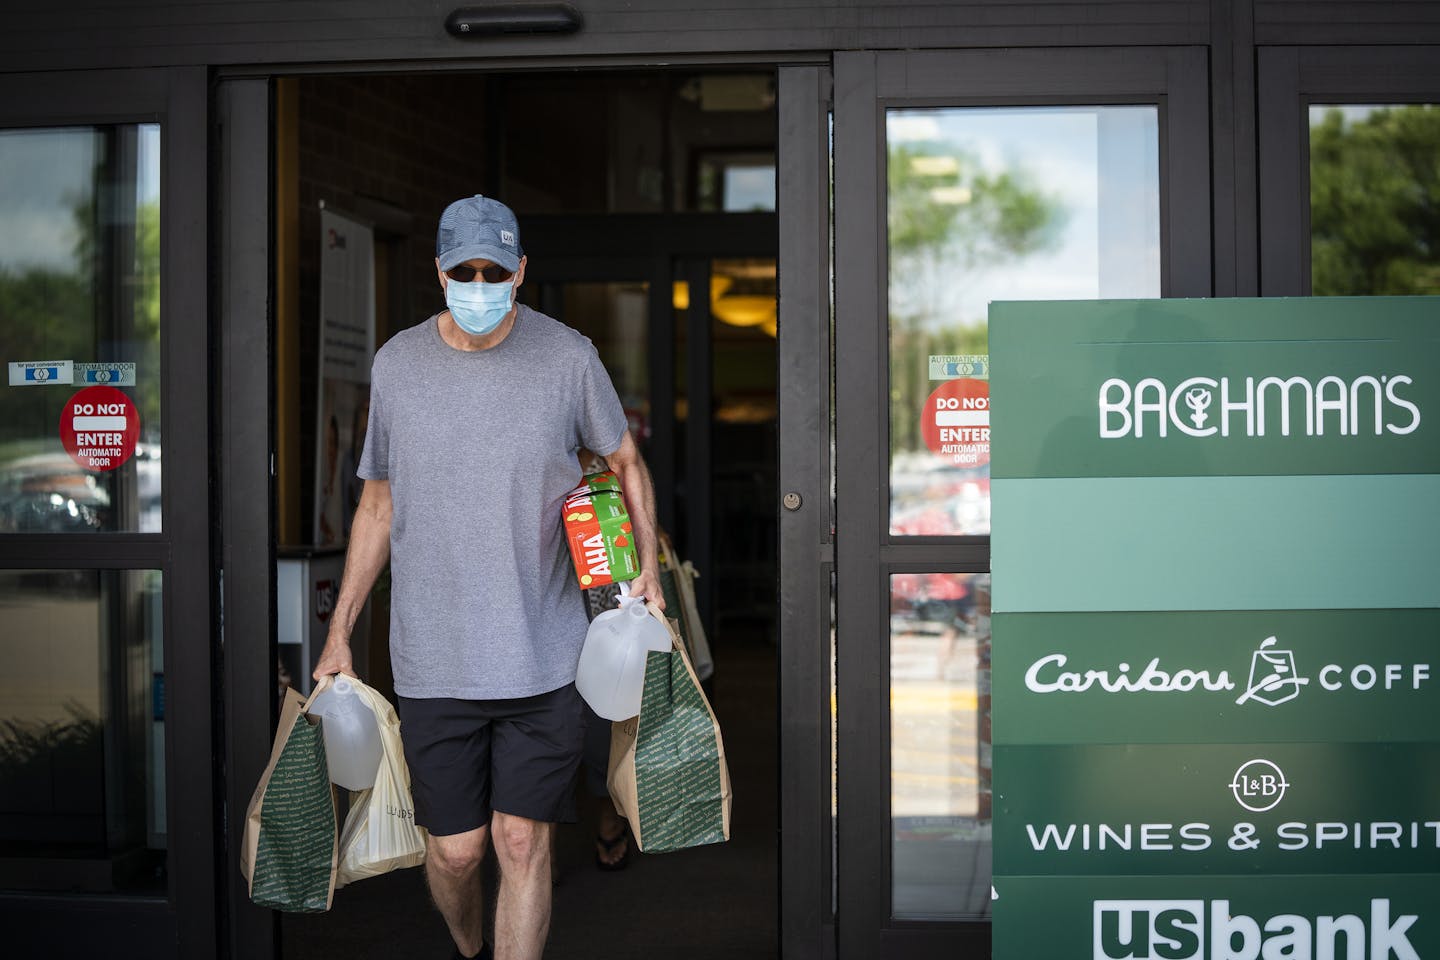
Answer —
(369, 551)
(639, 494)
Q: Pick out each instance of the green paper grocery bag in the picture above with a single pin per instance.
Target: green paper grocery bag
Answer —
(290, 850)
(668, 775)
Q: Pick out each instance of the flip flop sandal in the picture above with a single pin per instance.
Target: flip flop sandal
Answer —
(609, 847)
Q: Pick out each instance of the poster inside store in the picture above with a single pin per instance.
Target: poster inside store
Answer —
(347, 347)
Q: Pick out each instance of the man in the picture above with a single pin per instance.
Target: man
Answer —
(476, 416)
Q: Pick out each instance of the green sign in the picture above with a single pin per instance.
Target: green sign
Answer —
(1217, 388)
(1234, 677)
(1208, 918)
(1216, 559)
(1282, 809)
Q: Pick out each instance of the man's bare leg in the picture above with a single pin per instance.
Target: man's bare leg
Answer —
(452, 868)
(522, 911)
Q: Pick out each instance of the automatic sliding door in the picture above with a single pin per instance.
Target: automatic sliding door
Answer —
(961, 179)
(105, 753)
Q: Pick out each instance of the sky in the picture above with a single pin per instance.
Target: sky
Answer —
(1060, 150)
(42, 175)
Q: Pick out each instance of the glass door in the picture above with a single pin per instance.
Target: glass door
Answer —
(960, 179)
(1347, 178)
(105, 754)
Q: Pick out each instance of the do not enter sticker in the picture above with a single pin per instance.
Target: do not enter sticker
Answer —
(99, 428)
(956, 422)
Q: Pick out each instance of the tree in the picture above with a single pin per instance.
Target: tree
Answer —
(947, 216)
(1375, 202)
(44, 315)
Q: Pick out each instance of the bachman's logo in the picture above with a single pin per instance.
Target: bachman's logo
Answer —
(1203, 407)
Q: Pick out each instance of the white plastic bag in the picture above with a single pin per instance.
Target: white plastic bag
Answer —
(380, 833)
(703, 662)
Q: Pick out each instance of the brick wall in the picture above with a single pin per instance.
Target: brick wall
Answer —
(395, 149)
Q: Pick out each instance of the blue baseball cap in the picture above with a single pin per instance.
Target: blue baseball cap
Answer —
(478, 228)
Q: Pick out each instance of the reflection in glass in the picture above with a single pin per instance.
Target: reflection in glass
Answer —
(1374, 200)
(743, 440)
(82, 719)
(616, 318)
(1024, 203)
(79, 282)
(735, 182)
(653, 142)
(940, 745)
(742, 421)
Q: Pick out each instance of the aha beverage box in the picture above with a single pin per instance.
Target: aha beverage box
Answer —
(598, 530)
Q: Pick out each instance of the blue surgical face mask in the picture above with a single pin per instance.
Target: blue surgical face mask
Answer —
(478, 307)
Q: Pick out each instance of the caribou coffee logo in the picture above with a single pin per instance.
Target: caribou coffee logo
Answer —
(1370, 405)
(1273, 678)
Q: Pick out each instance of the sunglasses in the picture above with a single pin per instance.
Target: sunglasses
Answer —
(464, 273)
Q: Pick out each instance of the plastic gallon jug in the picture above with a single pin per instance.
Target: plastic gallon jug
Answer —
(611, 674)
(352, 737)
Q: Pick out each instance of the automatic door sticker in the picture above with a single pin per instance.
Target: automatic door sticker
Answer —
(99, 428)
(114, 374)
(955, 422)
(1273, 680)
(39, 373)
(949, 366)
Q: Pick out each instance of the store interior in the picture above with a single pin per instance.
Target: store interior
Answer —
(633, 189)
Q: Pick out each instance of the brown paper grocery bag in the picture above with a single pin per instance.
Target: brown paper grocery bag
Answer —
(290, 844)
(668, 775)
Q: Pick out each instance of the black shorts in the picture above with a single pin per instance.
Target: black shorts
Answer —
(468, 758)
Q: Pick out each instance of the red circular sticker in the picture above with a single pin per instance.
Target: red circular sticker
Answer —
(99, 428)
(956, 422)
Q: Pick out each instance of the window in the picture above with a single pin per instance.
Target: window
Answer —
(997, 203)
(80, 311)
(1374, 200)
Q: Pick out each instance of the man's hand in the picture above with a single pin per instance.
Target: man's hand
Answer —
(647, 585)
(335, 658)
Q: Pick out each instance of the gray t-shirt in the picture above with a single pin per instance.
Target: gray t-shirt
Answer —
(480, 450)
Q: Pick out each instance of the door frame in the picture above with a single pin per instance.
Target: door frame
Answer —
(246, 239)
(176, 98)
(244, 308)
(806, 523)
(866, 84)
(1290, 80)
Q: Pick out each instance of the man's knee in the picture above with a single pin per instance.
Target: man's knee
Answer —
(458, 854)
(519, 841)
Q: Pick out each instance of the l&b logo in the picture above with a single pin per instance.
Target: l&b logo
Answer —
(1259, 785)
(1177, 930)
